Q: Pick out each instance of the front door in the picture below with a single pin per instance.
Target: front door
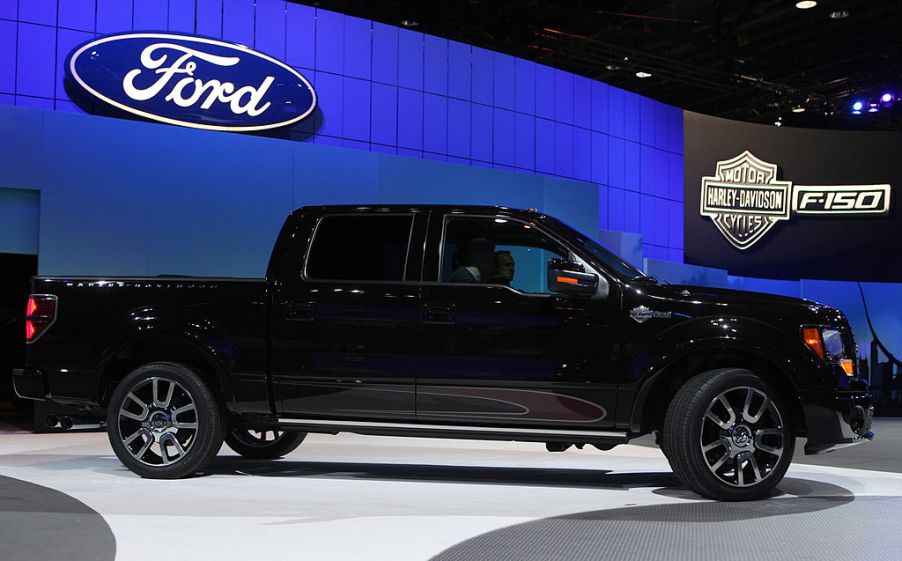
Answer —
(498, 348)
(345, 330)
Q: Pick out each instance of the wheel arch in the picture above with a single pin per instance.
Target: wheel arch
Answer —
(659, 388)
(163, 347)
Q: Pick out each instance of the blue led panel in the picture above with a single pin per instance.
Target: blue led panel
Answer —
(78, 14)
(269, 28)
(458, 70)
(385, 53)
(435, 72)
(209, 18)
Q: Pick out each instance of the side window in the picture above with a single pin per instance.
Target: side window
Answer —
(360, 247)
(497, 251)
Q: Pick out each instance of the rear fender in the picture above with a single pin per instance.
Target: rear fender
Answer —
(166, 331)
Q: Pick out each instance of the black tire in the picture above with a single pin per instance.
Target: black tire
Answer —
(714, 442)
(159, 409)
(258, 446)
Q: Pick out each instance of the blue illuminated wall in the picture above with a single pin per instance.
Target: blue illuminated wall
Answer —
(122, 197)
(394, 91)
(405, 117)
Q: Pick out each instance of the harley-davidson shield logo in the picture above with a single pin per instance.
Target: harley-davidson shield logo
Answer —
(745, 199)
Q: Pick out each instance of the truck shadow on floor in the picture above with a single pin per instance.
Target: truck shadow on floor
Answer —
(542, 477)
(665, 483)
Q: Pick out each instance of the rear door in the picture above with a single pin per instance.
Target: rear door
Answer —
(498, 348)
(346, 327)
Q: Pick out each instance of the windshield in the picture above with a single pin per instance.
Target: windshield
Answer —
(608, 260)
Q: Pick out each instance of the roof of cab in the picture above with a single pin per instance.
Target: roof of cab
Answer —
(445, 208)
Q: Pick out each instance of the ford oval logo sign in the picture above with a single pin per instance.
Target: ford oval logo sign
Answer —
(191, 81)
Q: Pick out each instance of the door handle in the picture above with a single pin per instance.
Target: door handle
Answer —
(438, 313)
(298, 311)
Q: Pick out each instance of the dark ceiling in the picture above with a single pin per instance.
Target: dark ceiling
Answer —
(740, 59)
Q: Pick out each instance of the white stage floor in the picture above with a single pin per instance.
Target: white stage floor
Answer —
(351, 497)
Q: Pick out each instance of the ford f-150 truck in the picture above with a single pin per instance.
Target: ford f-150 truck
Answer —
(447, 321)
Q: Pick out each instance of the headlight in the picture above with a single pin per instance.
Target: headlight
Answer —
(833, 346)
(827, 344)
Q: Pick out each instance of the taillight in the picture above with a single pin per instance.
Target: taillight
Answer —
(40, 313)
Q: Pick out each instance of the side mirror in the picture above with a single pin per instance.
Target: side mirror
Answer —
(567, 277)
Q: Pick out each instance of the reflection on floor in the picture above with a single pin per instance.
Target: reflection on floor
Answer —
(374, 498)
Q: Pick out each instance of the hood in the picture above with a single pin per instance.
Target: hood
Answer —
(730, 296)
(749, 304)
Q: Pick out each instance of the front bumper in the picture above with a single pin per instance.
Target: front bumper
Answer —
(837, 420)
(29, 383)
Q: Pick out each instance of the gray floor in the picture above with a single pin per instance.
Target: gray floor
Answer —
(445, 500)
(843, 527)
(37, 523)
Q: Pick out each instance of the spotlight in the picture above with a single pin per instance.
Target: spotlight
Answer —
(857, 107)
(410, 23)
(798, 109)
(778, 123)
(887, 99)
(806, 4)
(839, 14)
(873, 107)
(642, 74)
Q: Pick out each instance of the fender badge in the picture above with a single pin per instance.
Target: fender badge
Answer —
(642, 314)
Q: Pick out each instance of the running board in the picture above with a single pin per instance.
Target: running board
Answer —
(454, 431)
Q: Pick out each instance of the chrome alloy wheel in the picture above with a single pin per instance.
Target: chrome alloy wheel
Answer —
(158, 421)
(742, 436)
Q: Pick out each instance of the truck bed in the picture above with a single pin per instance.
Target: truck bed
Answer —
(118, 318)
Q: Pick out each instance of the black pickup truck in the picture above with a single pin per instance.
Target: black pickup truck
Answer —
(447, 321)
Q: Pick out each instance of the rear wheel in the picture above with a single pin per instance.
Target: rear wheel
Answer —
(163, 421)
(727, 436)
(265, 444)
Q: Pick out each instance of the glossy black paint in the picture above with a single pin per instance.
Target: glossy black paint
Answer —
(419, 351)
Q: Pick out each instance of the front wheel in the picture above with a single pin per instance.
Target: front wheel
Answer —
(727, 436)
(164, 422)
(263, 444)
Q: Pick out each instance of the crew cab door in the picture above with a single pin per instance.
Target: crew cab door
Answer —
(507, 351)
(344, 331)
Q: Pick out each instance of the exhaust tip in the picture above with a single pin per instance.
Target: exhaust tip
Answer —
(66, 423)
(52, 421)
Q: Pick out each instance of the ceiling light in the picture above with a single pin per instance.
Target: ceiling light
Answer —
(798, 109)
(873, 107)
(857, 107)
(643, 74)
(611, 67)
(806, 4)
(410, 23)
(839, 14)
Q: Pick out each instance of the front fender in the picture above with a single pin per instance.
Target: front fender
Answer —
(707, 337)
(714, 332)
